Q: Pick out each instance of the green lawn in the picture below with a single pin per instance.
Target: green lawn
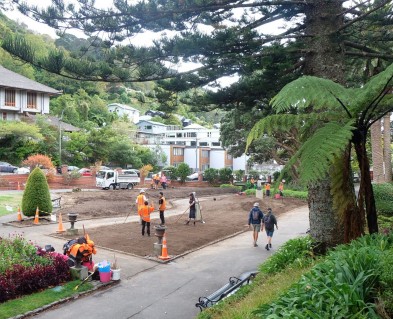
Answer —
(10, 200)
(22, 305)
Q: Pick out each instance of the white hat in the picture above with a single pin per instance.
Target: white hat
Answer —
(256, 205)
(141, 191)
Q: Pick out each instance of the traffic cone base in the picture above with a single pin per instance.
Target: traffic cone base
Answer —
(164, 253)
(19, 215)
(61, 227)
(37, 217)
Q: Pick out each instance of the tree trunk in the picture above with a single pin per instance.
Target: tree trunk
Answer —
(325, 59)
(387, 152)
(366, 193)
(377, 152)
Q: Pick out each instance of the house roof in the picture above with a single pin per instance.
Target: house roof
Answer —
(11, 79)
(194, 126)
(151, 122)
(123, 106)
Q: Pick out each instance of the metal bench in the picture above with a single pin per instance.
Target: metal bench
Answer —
(231, 287)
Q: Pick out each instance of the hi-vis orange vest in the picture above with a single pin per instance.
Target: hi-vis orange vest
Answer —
(140, 201)
(145, 212)
(163, 205)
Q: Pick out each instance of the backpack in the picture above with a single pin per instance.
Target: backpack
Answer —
(269, 222)
(255, 214)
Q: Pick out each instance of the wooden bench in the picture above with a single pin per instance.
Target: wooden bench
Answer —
(231, 287)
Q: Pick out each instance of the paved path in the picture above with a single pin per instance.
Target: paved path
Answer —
(150, 290)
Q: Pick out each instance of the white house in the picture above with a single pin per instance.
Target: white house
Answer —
(20, 96)
(122, 109)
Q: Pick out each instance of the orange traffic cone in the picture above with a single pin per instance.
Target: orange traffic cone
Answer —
(18, 188)
(36, 217)
(164, 253)
(61, 227)
(19, 215)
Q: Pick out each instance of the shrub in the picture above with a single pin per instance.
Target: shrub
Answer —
(171, 172)
(25, 268)
(342, 286)
(238, 174)
(69, 177)
(225, 175)
(383, 191)
(183, 170)
(211, 175)
(384, 207)
(238, 188)
(36, 194)
(295, 194)
(250, 191)
(38, 160)
(293, 252)
(387, 281)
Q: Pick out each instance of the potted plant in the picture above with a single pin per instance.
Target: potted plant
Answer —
(115, 269)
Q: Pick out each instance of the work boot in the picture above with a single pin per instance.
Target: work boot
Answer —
(270, 245)
(187, 222)
(194, 223)
(267, 247)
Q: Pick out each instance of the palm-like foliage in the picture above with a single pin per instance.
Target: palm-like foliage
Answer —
(332, 119)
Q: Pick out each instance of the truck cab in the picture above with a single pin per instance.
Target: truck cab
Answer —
(112, 179)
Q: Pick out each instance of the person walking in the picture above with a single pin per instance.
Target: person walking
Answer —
(145, 212)
(269, 220)
(254, 219)
(192, 212)
(162, 207)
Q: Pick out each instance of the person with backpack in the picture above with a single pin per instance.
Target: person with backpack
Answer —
(269, 220)
(254, 219)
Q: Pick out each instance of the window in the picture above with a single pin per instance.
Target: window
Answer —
(203, 144)
(148, 127)
(229, 156)
(31, 100)
(177, 151)
(179, 135)
(209, 134)
(9, 97)
(215, 143)
(191, 134)
(205, 154)
(205, 167)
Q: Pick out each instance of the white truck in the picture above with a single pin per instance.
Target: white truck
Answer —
(115, 179)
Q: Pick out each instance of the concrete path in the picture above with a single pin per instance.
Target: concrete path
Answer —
(150, 290)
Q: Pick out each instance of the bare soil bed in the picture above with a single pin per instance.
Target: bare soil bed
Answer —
(224, 211)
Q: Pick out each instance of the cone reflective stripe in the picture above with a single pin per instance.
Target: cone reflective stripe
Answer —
(164, 253)
(19, 215)
(60, 229)
(36, 217)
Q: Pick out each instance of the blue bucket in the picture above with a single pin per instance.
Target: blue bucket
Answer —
(104, 267)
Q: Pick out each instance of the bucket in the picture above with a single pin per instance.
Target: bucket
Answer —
(115, 274)
(105, 276)
(277, 196)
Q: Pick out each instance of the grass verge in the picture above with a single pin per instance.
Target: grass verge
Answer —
(11, 200)
(264, 289)
(37, 300)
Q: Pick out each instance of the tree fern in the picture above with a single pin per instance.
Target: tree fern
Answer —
(311, 91)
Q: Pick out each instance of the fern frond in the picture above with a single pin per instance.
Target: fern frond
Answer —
(319, 152)
(311, 91)
(364, 96)
(285, 122)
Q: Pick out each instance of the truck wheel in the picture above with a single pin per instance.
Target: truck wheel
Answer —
(111, 187)
(130, 186)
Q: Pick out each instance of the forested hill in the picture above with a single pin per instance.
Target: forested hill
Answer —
(86, 102)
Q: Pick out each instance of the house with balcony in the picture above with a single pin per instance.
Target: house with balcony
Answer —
(20, 96)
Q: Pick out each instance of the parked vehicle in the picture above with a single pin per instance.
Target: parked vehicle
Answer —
(193, 177)
(7, 168)
(111, 179)
(23, 170)
(72, 168)
(85, 172)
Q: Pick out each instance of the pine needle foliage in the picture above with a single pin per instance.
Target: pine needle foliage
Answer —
(36, 194)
